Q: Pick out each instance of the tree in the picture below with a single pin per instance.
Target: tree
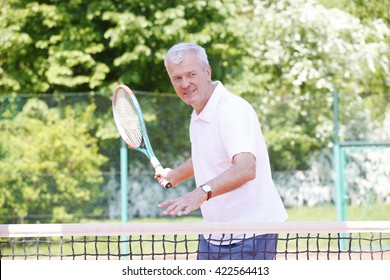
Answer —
(298, 53)
(268, 51)
(62, 46)
(366, 11)
(46, 162)
(81, 46)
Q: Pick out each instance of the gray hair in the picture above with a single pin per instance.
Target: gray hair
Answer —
(178, 52)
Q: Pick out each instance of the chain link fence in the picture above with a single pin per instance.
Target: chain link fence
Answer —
(298, 188)
(38, 187)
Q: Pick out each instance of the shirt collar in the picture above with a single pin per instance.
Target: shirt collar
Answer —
(209, 110)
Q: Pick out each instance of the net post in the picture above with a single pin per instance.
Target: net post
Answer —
(339, 162)
(336, 157)
(343, 193)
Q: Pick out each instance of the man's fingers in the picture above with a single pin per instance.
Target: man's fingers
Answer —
(174, 208)
(170, 205)
(187, 211)
(183, 205)
(165, 204)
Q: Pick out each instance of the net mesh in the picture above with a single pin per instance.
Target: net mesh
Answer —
(126, 114)
(174, 241)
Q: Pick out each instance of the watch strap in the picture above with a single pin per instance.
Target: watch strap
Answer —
(207, 191)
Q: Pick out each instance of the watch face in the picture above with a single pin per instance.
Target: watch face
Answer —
(206, 188)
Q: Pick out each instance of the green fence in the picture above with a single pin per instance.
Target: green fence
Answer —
(60, 162)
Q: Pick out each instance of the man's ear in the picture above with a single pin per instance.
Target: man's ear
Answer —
(208, 71)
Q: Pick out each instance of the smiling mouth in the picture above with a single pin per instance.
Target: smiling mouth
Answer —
(189, 92)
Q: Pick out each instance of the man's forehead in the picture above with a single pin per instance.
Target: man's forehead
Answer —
(187, 65)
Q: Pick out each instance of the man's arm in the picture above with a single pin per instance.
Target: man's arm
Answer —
(177, 175)
(243, 169)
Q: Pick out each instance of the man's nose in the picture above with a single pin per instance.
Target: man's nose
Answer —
(184, 83)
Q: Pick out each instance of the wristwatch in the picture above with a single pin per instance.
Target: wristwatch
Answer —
(207, 189)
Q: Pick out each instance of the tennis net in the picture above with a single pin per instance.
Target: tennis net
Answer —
(179, 241)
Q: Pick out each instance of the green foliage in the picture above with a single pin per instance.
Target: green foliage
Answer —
(73, 46)
(373, 14)
(286, 57)
(298, 52)
(290, 149)
(46, 161)
(364, 10)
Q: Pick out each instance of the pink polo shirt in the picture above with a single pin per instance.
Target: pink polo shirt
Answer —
(228, 125)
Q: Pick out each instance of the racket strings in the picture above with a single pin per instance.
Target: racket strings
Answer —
(128, 118)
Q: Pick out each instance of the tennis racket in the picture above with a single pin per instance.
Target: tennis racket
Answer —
(131, 125)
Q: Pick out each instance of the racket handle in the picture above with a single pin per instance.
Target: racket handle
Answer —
(157, 166)
(166, 184)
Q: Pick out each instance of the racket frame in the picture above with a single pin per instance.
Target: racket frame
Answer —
(145, 147)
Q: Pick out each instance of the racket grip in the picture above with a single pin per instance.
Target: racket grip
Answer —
(166, 184)
(157, 166)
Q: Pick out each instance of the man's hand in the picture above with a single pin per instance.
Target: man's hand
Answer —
(177, 175)
(162, 175)
(185, 204)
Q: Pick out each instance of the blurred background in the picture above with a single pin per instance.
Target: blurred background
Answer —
(291, 59)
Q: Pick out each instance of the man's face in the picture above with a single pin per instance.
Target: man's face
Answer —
(191, 82)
